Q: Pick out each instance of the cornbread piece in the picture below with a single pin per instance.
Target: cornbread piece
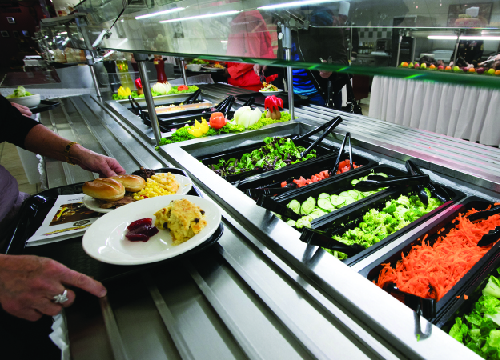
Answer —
(183, 218)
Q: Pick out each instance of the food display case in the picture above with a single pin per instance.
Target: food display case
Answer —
(263, 290)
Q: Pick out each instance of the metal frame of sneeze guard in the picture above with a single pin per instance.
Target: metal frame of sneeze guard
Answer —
(140, 59)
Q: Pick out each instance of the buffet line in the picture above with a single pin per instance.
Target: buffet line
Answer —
(397, 242)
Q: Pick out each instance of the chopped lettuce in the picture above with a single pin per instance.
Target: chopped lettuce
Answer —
(480, 330)
(19, 92)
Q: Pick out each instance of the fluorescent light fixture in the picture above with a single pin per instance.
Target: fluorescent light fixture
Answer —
(164, 12)
(204, 16)
(294, 3)
(463, 37)
(223, 41)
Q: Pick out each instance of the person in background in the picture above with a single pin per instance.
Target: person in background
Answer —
(249, 37)
(29, 285)
(324, 43)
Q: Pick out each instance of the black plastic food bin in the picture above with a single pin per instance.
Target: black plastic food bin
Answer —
(350, 216)
(449, 303)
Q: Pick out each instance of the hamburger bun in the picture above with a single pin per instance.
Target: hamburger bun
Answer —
(132, 183)
(104, 189)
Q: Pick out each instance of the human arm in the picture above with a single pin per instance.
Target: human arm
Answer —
(29, 283)
(43, 141)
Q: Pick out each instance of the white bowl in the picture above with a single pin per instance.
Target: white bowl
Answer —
(193, 67)
(29, 101)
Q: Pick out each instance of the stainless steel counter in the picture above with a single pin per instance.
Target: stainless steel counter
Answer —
(260, 293)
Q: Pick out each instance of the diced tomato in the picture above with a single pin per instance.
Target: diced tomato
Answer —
(182, 88)
(300, 182)
(283, 184)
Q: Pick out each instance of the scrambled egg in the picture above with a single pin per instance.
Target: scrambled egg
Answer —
(183, 218)
(158, 185)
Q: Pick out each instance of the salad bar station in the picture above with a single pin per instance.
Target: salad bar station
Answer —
(311, 233)
(310, 248)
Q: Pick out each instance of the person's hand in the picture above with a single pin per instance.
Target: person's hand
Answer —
(23, 109)
(101, 164)
(29, 283)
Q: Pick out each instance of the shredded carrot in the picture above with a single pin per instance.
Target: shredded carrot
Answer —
(437, 268)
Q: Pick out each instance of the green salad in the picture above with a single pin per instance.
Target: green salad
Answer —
(273, 155)
(173, 90)
(20, 92)
(377, 225)
(314, 208)
(480, 330)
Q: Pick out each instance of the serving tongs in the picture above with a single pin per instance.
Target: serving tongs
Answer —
(336, 120)
(330, 126)
(136, 109)
(347, 137)
(375, 182)
(321, 238)
(435, 190)
(249, 102)
(492, 235)
(193, 97)
(423, 306)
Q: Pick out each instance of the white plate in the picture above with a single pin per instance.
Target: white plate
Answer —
(105, 239)
(270, 92)
(184, 187)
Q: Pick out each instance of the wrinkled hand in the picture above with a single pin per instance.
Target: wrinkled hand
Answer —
(29, 283)
(23, 109)
(101, 164)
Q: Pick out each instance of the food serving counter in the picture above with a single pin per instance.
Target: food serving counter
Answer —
(260, 292)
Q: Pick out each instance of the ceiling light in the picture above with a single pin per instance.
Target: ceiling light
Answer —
(204, 16)
(294, 3)
(158, 13)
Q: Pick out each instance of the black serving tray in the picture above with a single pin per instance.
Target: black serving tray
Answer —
(70, 252)
(44, 106)
(309, 168)
(348, 217)
(335, 185)
(213, 159)
(449, 303)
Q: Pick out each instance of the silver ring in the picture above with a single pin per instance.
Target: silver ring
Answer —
(61, 298)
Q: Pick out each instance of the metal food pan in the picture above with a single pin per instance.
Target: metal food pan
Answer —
(351, 215)
(440, 312)
(161, 100)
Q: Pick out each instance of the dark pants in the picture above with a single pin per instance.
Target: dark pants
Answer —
(21, 339)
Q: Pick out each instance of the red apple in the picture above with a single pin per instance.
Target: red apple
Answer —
(440, 67)
(480, 70)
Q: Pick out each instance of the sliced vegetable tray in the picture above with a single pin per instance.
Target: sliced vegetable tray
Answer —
(449, 303)
(351, 215)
